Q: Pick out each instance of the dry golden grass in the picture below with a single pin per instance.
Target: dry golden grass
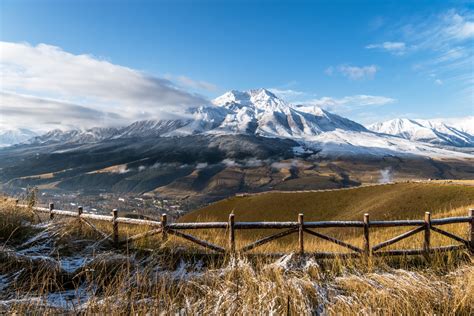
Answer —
(391, 201)
(174, 280)
(12, 221)
(117, 286)
(388, 202)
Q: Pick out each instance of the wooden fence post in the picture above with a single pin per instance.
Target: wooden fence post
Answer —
(426, 243)
(164, 233)
(51, 208)
(367, 251)
(115, 227)
(231, 234)
(300, 233)
(16, 202)
(471, 230)
(79, 213)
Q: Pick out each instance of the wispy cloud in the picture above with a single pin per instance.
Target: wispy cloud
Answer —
(440, 44)
(458, 26)
(353, 72)
(438, 32)
(50, 80)
(396, 48)
(349, 103)
(358, 100)
(44, 114)
(287, 93)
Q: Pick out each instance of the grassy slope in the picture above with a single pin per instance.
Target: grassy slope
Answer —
(393, 201)
(114, 283)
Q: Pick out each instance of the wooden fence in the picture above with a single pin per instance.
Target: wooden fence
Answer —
(300, 227)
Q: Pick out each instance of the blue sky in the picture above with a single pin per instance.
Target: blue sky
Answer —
(367, 60)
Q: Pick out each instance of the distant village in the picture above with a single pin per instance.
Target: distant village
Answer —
(128, 205)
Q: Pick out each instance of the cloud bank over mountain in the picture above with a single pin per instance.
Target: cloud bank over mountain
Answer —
(54, 88)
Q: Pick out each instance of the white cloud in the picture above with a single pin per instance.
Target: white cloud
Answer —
(447, 39)
(440, 43)
(201, 165)
(458, 26)
(286, 93)
(57, 81)
(287, 165)
(354, 72)
(253, 163)
(441, 32)
(349, 102)
(230, 163)
(397, 48)
(43, 114)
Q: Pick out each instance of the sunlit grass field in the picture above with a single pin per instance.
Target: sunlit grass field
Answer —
(153, 276)
(385, 202)
(390, 201)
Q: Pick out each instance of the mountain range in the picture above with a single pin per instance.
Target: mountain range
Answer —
(249, 141)
(260, 112)
(433, 132)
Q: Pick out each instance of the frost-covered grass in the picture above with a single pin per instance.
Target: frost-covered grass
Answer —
(60, 269)
(117, 284)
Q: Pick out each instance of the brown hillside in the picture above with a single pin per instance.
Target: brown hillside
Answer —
(392, 201)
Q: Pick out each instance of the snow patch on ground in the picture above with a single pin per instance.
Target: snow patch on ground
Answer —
(3, 282)
(72, 264)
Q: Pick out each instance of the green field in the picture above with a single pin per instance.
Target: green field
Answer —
(391, 201)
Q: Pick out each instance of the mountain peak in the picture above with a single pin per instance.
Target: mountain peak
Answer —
(245, 96)
(255, 99)
(261, 93)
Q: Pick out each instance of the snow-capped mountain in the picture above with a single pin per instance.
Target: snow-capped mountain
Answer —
(434, 132)
(254, 112)
(10, 137)
(80, 136)
(260, 113)
(463, 124)
(151, 128)
(201, 119)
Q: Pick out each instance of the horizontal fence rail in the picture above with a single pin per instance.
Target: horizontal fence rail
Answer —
(302, 228)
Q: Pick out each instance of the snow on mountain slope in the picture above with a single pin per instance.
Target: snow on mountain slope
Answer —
(204, 119)
(10, 137)
(78, 136)
(261, 112)
(151, 128)
(434, 132)
(463, 124)
(349, 143)
(260, 99)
